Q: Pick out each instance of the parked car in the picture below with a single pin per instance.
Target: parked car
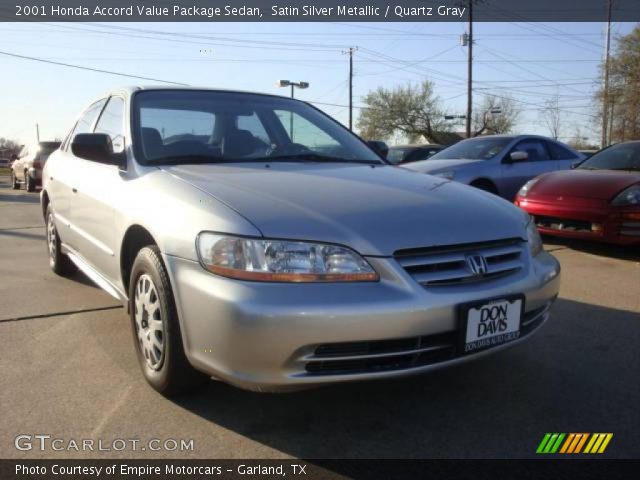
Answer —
(412, 153)
(247, 256)
(26, 169)
(599, 200)
(499, 164)
(588, 153)
(380, 147)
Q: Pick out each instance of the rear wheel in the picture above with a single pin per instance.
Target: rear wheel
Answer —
(29, 183)
(155, 327)
(14, 181)
(58, 261)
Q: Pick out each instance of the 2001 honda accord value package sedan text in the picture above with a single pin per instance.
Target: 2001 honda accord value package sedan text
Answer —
(256, 240)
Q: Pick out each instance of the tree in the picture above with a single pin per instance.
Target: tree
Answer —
(411, 110)
(8, 147)
(498, 114)
(581, 142)
(551, 116)
(8, 144)
(623, 99)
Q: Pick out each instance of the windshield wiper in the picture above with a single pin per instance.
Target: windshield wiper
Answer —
(314, 157)
(186, 160)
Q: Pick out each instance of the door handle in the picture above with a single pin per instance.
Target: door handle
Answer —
(74, 190)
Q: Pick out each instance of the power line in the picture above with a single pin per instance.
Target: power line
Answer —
(91, 69)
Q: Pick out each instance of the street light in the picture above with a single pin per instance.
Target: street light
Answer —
(289, 83)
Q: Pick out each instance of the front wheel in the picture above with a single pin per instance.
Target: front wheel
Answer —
(29, 183)
(485, 185)
(155, 327)
(58, 261)
(14, 180)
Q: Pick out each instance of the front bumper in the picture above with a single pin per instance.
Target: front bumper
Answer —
(267, 336)
(585, 219)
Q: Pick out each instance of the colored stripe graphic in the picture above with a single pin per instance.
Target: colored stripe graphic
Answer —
(550, 443)
(544, 441)
(573, 443)
(567, 443)
(598, 442)
(581, 442)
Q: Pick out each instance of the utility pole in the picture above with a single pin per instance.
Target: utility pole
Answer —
(470, 71)
(605, 94)
(350, 52)
(38, 133)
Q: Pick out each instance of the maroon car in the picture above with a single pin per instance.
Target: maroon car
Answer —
(598, 200)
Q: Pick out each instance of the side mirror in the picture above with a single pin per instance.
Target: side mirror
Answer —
(575, 165)
(517, 156)
(96, 147)
(380, 147)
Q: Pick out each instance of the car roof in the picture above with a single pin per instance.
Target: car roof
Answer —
(422, 145)
(515, 137)
(129, 90)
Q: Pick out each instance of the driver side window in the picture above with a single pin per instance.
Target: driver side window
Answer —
(111, 122)
(86, 121)
(535, 150)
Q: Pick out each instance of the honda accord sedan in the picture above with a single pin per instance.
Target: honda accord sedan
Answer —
(499, 164)
(255, 240)
(599, 200)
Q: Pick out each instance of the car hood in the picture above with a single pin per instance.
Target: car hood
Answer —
(375, 210)
(439, 165)
(599, 184)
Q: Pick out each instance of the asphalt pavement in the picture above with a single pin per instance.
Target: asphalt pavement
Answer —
(69, 371)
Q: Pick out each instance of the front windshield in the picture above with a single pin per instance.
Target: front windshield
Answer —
(192, 126)
(624, 156)
(473, 149)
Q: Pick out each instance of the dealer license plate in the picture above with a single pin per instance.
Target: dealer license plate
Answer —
(491, 324)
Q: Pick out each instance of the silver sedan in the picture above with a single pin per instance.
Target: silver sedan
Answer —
(256, 240)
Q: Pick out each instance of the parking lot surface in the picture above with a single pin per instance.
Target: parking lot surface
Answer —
(69, 371)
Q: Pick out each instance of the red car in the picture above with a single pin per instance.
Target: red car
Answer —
(597, 200)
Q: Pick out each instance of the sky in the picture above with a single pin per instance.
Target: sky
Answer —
(531, 62)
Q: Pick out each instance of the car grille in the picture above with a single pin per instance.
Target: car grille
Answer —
(630, 228)
(564, 224)
(381, 355)
(397, 354)
(439, 266)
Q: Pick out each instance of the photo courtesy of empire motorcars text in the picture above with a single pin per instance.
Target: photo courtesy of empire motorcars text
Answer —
(383, 239)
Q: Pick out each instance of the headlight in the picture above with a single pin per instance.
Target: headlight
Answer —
(526, 188)
(281, 260)
(533, 238)
(447, 175)
(630, 196)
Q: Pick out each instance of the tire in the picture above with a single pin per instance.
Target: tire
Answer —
(29, 183)
(156, 329)
(58, 261)
(486, 186)
(14, 181)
